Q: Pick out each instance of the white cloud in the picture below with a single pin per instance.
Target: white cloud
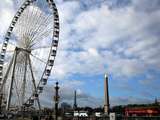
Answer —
(6, 15)
(122, 42)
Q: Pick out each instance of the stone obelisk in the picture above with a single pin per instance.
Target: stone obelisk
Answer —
(106, 94)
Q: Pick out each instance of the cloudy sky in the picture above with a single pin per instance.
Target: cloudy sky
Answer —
(117, 37)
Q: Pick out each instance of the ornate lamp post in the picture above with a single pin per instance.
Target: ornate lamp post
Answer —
(56, 99)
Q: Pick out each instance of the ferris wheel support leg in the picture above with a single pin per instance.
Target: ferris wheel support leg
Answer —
(6, 75)
(24, 81)
(39, 105)
(33, 80)
(2, 95)
(12, 79)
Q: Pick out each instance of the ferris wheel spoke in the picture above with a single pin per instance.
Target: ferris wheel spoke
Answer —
(36, 17)
(39, 59)
(40, 28)
(41, 47)
(30, 17)
(21, 28)
(42, 35)
(33, 24)
(43, 32)
(39, 21)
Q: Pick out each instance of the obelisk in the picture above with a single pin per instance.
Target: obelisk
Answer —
(106, 94)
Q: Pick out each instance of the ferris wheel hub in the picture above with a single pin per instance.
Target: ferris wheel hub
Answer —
(22, 49)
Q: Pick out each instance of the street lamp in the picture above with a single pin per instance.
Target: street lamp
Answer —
(56, 99)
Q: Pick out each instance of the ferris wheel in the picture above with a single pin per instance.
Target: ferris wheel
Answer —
(28, 53)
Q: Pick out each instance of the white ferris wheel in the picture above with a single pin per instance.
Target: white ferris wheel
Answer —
(28, 53)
